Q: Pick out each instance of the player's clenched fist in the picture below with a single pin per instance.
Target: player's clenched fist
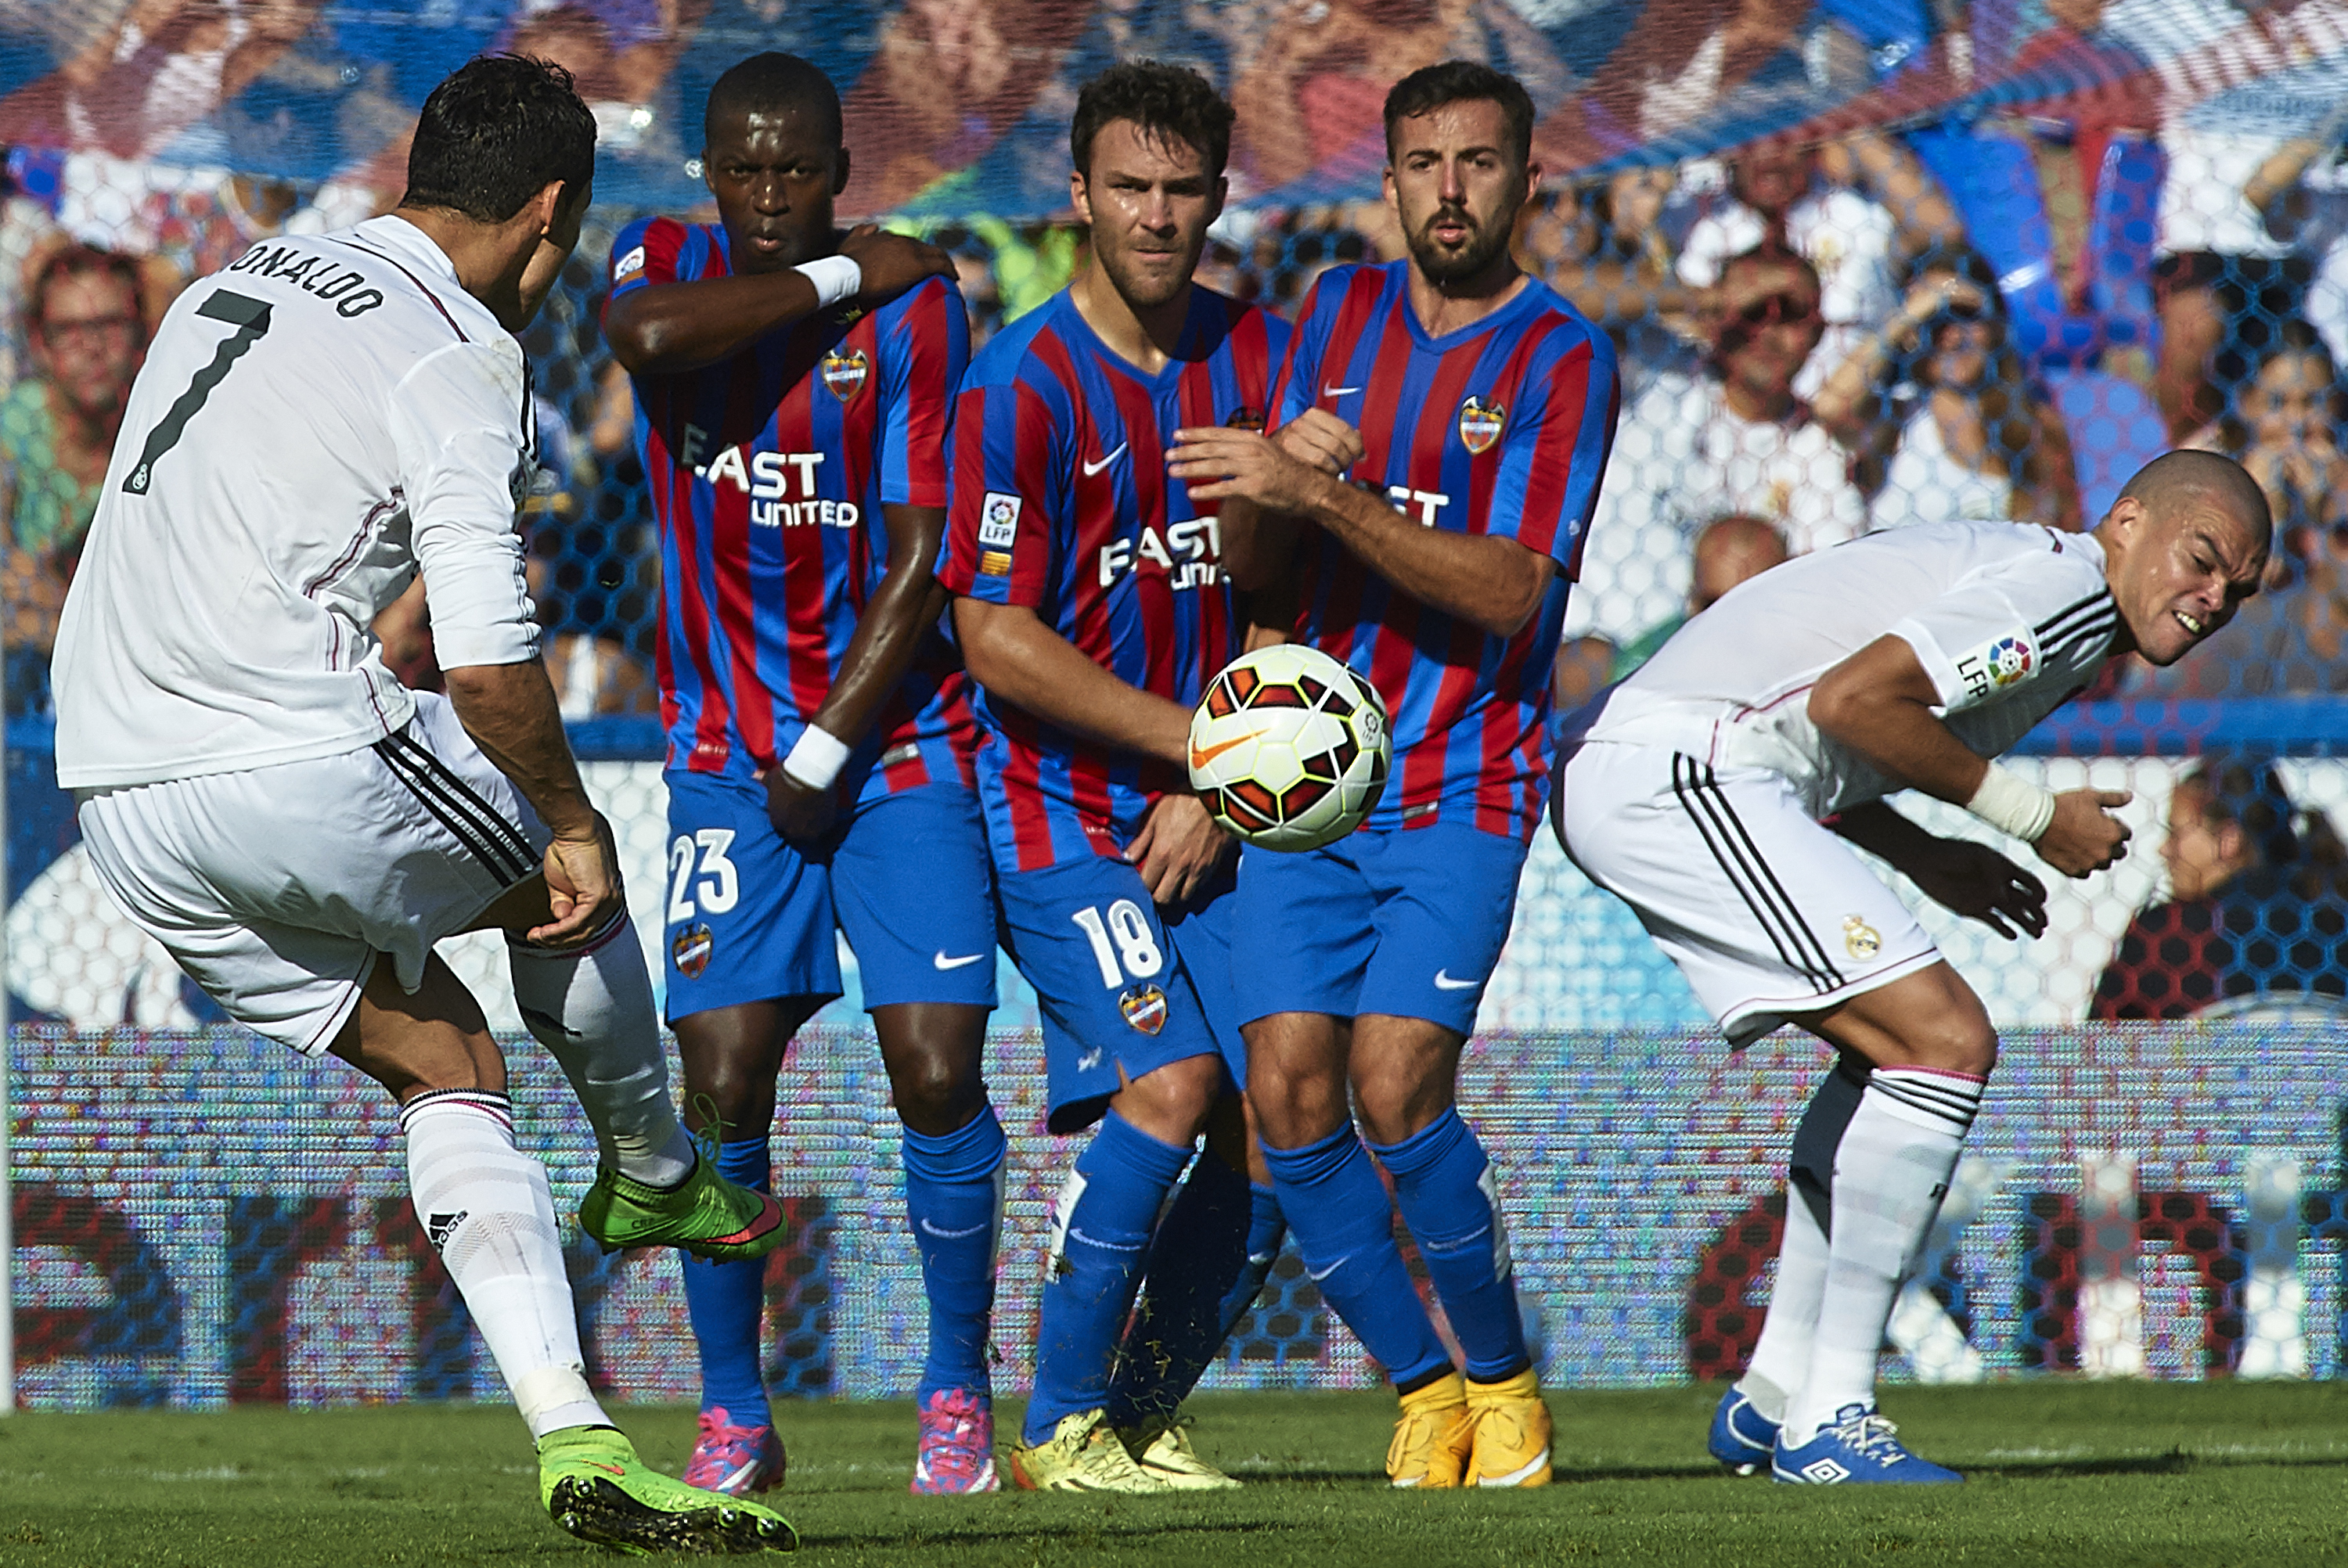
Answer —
(2085, 837)
(891, 264)
(583, 886)
(1321, 439)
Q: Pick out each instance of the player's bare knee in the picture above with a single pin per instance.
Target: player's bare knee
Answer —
(1170, 1102)
(936, 1092)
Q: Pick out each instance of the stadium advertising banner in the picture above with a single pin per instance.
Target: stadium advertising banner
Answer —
(203, 1220)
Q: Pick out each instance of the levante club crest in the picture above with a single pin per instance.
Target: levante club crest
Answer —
(845, 372)
(691, 948)
(1479, 423)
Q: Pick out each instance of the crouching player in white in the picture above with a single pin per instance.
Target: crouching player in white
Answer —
(315, 425)
(1709, 790)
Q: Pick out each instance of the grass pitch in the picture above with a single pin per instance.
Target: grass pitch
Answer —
(2084, 1475)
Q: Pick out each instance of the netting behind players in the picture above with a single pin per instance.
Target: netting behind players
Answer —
(2033, 251)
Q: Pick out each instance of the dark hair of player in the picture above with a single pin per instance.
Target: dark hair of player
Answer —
(1464, 81)
(2172, 474)
(1172, 102)
(773, 82)
(498, 130)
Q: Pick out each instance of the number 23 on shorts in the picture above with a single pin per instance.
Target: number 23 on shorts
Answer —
(717, 888)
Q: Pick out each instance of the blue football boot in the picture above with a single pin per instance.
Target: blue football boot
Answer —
(1742, 1438)
(1862, 1448)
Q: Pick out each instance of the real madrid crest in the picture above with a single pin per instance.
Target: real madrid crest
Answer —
(844, 373)
(1859, 940)
(1479, 423)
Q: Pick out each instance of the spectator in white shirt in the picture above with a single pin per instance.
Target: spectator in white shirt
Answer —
(1858, 241)
(1945, 422)
(1737, 439)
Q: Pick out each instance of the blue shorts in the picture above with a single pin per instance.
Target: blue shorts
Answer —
(1121, 983)
(1408, 922)
(913, 889)
(750, 916)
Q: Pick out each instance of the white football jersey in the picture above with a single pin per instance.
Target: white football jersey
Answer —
(314, 424)
(2010, 621)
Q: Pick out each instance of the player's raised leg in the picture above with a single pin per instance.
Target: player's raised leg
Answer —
(490, 1215)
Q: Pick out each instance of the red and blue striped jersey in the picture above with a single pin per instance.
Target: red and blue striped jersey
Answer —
(768, 475)
(1061, 503)
(1500, 427)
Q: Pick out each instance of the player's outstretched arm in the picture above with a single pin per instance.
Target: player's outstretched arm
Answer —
(1492, 582)
(1879, 702)
(1971, 878)
(510, 712)
(888, 635)
(659, 329)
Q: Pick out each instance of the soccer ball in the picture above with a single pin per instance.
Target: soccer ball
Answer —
(1289, 748)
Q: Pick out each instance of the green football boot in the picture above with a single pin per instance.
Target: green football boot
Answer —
(596, 1488)
(706, 1215)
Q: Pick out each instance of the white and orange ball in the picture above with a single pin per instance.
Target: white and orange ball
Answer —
(1290, 748)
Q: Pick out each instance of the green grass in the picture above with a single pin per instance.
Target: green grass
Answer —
(2084, 1475)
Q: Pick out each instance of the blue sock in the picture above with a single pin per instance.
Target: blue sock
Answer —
(953, 1201)
(727, 1303)
(1206, 1269)
(1100, 1234)
(1344, 1225)
(1438, 1175)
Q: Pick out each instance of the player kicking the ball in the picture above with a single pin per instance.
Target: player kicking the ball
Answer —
(1719, 791)
(793, 392)
(1094, 611)
(315, 425)
(1474, 407)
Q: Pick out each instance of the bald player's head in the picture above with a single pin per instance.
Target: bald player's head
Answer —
(2184, 546)
(1731, 550)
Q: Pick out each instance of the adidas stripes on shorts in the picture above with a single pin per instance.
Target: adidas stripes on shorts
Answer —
(275, 886)
(1767, 913)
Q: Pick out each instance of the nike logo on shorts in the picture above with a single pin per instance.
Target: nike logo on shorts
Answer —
(942, 962)
(1093, 468)
(1444, 982)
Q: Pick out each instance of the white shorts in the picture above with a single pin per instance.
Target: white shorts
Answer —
(275, 887)
(1768, 914)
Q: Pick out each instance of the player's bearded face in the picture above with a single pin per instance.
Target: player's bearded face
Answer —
(1456, 187)
(775, 173)
(1149, 199)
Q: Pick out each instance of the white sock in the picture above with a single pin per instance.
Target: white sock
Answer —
(1891, 1170)
(487, 1209)
(592, 1008)
(1781, 1357)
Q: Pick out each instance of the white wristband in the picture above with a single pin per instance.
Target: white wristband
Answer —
(836, 277)
(817, 760)
(2012, 803)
